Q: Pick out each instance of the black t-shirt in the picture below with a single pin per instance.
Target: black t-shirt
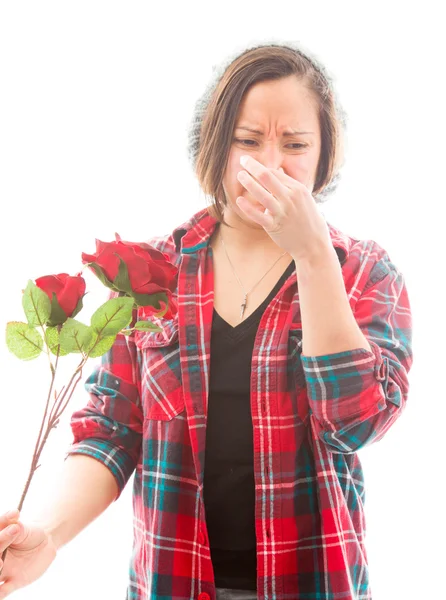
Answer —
(229, 494)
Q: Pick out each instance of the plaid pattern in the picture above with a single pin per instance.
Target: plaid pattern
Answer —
(146, 415)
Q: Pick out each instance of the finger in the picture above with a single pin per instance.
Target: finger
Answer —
(7, 536)
(290, 181)
(284, 178)
(11, 516)
(6, 589)
(260, 217)
(259, 192)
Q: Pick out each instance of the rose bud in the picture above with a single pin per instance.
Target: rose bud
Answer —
(69, 292)
(146, 270)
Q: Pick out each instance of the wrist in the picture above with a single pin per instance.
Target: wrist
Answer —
(51, 531)
(318, 258)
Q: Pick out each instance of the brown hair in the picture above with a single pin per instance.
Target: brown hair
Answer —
(210, 138)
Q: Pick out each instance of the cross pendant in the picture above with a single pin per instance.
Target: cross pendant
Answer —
(242, 307)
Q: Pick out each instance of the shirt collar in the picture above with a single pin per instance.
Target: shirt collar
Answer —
(194, 234)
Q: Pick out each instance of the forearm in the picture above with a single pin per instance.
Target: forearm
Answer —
(86, 489)
(328, 323)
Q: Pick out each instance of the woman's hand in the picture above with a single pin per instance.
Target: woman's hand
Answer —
(291, 217)
(30, 553)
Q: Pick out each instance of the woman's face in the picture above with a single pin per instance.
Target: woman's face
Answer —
(274, 108)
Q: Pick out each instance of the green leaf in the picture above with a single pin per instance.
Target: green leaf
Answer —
(147, 326)
(98, 348)
(79, 306)
(122, 281)
(150, 299)
(112, 316)
(101, 276)
(58, 315)
(166, 308)
(36, 304)
(23, 341)
(75, 336)
(52, 339)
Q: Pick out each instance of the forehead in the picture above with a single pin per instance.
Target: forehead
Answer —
(286, 103)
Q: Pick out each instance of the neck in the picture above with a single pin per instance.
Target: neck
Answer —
(246, 239)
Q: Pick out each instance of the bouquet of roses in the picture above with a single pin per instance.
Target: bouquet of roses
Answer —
(137, 275)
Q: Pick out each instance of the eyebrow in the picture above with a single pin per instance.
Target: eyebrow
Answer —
(285, 133)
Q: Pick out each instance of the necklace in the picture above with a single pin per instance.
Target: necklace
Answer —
(243, 304)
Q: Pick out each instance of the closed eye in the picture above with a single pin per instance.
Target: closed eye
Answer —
(242, 141)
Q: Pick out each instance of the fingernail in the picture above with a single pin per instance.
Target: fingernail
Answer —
(12, 513)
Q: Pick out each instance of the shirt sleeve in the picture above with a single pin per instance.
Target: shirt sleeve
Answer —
(109, 427)
(355, 396)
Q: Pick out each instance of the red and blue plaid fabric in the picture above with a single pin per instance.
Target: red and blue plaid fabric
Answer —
(146, 415)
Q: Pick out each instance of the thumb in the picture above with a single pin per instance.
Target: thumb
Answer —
(6, 589)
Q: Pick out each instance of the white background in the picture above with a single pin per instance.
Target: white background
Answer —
(95, 103)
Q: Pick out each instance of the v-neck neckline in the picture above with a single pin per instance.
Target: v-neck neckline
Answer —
(234, 331)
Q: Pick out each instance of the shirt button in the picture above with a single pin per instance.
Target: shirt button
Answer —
(201, 538)
(204, 596)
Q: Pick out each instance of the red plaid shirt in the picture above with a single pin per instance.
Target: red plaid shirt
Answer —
(146, 414)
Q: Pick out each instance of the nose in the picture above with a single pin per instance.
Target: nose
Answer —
(271, 157)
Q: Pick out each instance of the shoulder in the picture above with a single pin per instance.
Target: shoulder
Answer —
(363, 260)
(166, 244)
(196, 229)
(375, 261)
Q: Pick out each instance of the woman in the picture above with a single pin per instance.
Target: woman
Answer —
(290, 351)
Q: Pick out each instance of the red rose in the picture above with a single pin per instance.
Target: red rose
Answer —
(149, 270)
(69, 293)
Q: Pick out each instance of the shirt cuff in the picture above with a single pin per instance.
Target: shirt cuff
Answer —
(357, 377)
(115, 459)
